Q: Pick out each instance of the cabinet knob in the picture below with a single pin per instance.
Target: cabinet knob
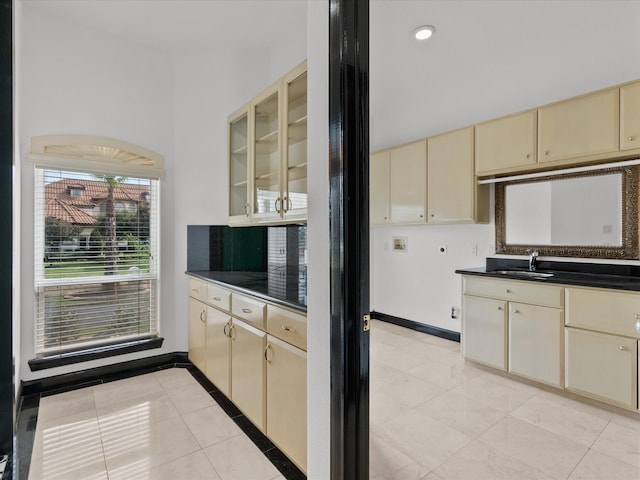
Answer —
(637, 316)
(500, 308)
(637, 324)
(623, 348)
(246, 310)
(506, 290)
(216, 299)
(632, 138)
(385, 218)
(288, 329)
(547, 152)
(515, 310)
(528, 155)
(422, 216)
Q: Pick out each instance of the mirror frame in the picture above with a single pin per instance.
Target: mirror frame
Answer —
(629, 248)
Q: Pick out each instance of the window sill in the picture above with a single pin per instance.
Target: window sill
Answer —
(103, 351)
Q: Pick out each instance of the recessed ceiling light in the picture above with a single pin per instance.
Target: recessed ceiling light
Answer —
(423, 32)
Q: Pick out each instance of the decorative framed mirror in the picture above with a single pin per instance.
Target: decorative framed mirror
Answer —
(590, 214)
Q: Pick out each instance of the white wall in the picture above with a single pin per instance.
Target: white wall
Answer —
(421, 285)
(75, 80)
(318, 311)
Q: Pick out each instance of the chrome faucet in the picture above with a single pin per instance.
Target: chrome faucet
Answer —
(533, 258)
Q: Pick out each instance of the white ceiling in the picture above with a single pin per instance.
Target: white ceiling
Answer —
(485, 54)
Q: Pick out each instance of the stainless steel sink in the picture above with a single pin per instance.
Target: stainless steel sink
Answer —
(524, 273)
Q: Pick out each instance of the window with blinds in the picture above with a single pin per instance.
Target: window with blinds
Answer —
(96, 260)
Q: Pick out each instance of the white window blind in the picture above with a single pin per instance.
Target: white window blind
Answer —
(96, 260)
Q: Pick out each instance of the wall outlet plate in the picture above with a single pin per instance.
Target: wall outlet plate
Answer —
(400, 244)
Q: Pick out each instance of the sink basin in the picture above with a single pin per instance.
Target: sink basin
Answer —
(525, 273)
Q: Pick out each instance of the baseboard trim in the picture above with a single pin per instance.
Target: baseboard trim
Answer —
(420, 327)
(94, 376)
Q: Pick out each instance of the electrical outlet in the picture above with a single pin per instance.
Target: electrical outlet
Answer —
(442, 249)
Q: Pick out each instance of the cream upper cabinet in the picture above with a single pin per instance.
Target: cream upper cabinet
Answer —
(274, 162)
(379, 188)
(453, 195)
(239, 167)
(586, 125)
(630, 116)
(294, 174)
(267, 154)
(287, 399)
(507, 142)
(408, 183)
(536, 342)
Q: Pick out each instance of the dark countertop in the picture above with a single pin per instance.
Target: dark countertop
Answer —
(287, 290)
(619, 277)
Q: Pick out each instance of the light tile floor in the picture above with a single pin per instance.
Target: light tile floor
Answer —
(157, 426)
(433, 417)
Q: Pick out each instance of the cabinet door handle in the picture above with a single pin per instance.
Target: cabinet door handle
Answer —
(286, 328)
(275, 204)
(623, 348)
(202, 314)
(224, 330)
(266, 354)
(216, 299)
(246, 209)
(286, 204)
(246, 310)
(232, 329)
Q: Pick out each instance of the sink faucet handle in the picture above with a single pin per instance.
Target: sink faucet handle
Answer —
(533, 256)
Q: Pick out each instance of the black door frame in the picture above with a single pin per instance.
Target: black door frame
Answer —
(349, 236)
(6, 233)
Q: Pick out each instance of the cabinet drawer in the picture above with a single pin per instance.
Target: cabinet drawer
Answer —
(249, 310)
(516, 291)
(604, 310)
(218, 297)
(197, 289)
(288, 326)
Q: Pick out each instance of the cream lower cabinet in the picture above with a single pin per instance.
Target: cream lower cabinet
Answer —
(197, 333)
(218, 350)
(255, 353)
(484, 334)
(511, 325)
(602, 366)
(535, 342)
(248, 373)
(287, 399)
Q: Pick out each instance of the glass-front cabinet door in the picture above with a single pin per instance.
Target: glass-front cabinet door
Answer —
(294, 195)
(267, 200)
(239, 163)
(268, 155)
